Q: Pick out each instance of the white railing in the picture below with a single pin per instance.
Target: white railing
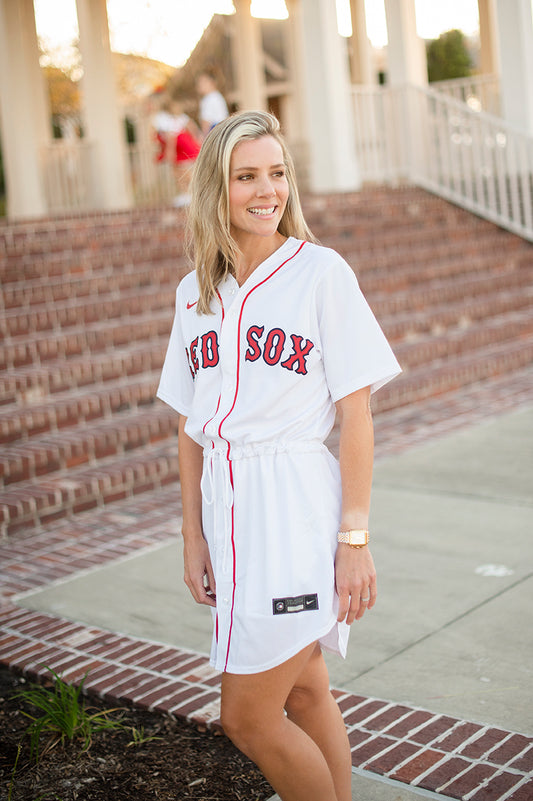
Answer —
(472, 158)
(479, 92)
(405, 133)
(68, 175)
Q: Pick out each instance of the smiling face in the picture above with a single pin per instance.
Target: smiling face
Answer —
(258, 189)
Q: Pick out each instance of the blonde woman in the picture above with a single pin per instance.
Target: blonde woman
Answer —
(272, 337)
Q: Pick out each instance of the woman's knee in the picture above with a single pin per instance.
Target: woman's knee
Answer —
(242, 723)
(310, 691)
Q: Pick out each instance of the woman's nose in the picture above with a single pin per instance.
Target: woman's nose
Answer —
(265, 187)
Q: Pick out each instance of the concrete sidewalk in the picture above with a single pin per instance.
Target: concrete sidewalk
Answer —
(451, 526)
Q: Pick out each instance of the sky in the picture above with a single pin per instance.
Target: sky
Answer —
(167, 30)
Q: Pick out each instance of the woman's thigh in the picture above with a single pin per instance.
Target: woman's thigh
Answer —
(261, 697)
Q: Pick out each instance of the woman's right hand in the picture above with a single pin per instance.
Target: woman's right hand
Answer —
(199, 576)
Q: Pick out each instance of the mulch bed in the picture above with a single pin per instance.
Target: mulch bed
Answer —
(185, 763)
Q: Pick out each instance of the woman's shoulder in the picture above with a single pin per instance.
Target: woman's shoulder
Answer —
(324, 261)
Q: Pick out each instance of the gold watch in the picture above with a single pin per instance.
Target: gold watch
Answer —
(355, 538)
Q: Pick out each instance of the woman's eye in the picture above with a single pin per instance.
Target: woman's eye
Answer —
(245, 177)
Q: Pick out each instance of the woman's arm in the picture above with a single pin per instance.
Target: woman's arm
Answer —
(355, 574)
(199, 576)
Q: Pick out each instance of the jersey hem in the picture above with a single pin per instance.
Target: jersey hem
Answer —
(371, 381)
(178, 407)
(279, 660)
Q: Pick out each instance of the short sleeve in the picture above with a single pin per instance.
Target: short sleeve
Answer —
(176, 386)
(355, 352)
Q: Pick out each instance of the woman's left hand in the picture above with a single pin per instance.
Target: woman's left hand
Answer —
(355, 581)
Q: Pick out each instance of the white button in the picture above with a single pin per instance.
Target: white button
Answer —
(226, 600)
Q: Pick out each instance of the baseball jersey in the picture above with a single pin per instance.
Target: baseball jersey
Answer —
(258, 380)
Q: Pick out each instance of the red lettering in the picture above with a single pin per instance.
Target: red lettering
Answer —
(189, 361)
(274, 345)
(194, 357)
(255, 332)
(298, 355)
(209, 349)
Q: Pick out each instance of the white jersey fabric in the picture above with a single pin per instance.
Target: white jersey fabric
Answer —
(258, 380)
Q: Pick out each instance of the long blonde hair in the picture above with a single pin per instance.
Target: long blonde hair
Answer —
(212, 249)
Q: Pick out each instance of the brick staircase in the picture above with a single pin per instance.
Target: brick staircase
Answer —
(87, 306)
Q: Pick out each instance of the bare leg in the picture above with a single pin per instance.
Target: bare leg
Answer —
(292, 761)
(312, 707)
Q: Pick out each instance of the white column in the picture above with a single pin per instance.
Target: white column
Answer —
(248, 54)
(104, 129)
(360, 49)
(24, 115)
(406, 54)
(489, 57)
(325, 96)
(515, 28)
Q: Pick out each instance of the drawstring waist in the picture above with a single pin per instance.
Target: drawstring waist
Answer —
(217, 487)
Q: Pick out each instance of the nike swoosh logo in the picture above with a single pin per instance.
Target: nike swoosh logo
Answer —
(190, 305)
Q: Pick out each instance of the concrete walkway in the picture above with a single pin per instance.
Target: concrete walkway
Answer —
(451, 526)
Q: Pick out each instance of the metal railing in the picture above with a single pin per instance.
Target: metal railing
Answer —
(472, 158)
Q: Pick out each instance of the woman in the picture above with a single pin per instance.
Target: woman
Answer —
(271, 337)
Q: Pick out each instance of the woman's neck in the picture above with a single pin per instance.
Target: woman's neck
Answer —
(252, 254)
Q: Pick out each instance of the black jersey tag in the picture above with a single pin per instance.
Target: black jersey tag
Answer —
(301, 603)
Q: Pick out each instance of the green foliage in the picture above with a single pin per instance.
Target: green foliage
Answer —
(65, 716)
(140, 738)
(448, 57)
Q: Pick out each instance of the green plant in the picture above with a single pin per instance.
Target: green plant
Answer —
(139, 737)
(12, 782)
(65, 716)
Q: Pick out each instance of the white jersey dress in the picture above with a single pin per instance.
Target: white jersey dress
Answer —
(257, 381)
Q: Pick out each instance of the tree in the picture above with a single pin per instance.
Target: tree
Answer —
(448, 57)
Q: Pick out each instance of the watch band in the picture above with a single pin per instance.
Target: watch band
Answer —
(355, 538)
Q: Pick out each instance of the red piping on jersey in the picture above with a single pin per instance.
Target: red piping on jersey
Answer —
(228, 443)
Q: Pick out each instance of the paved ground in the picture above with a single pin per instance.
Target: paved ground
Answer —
(451, 523)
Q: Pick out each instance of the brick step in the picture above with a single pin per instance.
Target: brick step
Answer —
(379, 205)
(30, 504)
(86, 444)
(395, 275)
(129, 430)
(82, 311)
(431, 351)
(414, 323)
(86, 230)
(87, 339)
(453, 293)
(51, 317)
(33, 503)
(439, 259)
(371, 245)
(429, 381)
(68, 409)
(28, 295)
(35, 382)
(65, 265)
